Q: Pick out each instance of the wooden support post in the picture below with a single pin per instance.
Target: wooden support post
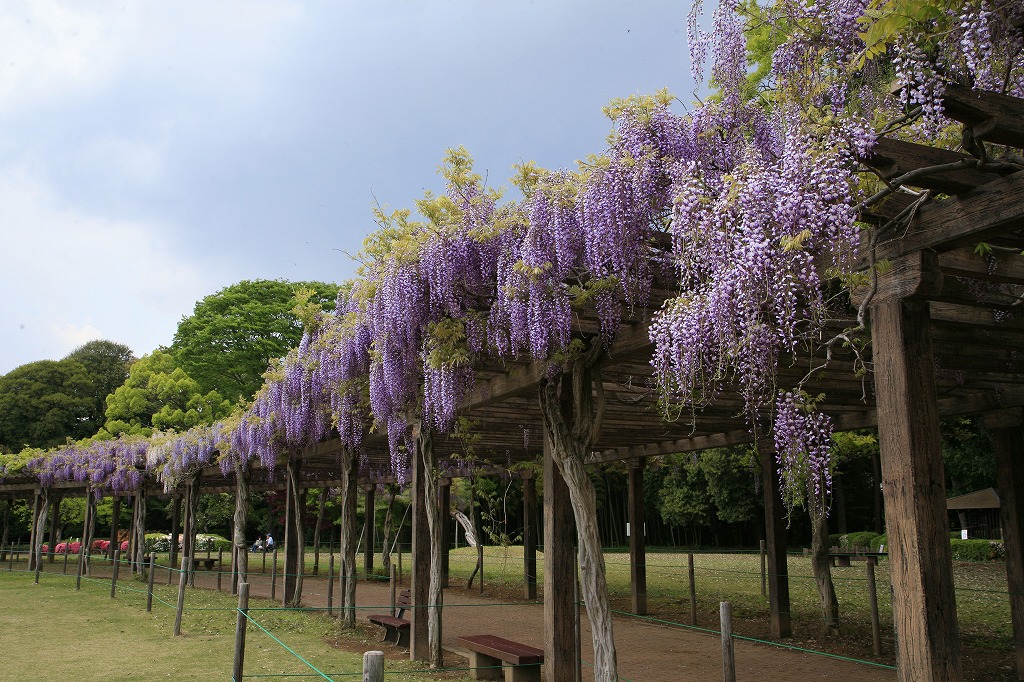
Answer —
(728, 653)
(444, 505)
(330, 583)
(34, 540)
(113, 575)
(529, 535)
(54, 522)
(67, 550)
(775, 541)
(220, 567)
(920, 560)
(149, 584)
(559, 574)
(273, 575)
(115, 526)
(291, 544)
(637, 557)
(368, 530)
(182, 579)
(393, 588)
(876, 630)
(172, 555)
(373, 666)
(693, 590)
(1008, 444)
(418, 646)
(764, 573)
(241, 623)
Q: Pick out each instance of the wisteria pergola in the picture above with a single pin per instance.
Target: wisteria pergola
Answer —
(944, 341)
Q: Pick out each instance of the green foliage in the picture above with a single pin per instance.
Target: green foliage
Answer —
(861, 540)
(967, 456)
(106, 364)
(230, 337)
(977, 550)
(713, 484)
(160, 395)
(44, 403)
(215, 512)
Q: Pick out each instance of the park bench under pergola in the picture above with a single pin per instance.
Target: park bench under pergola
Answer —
(938, 348)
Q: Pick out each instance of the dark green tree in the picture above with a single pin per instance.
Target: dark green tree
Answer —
(43, 403)
(106, 363)
(226, 343)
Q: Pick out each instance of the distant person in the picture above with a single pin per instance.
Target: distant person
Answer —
(258, 545)
(269, 546)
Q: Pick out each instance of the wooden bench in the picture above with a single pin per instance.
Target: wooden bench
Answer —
(207, 562)
(838, 557)
(396, 628)
(490, 655)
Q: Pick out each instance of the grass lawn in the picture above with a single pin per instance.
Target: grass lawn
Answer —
(50, 631)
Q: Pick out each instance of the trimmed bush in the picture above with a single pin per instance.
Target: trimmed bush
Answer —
(977, 550)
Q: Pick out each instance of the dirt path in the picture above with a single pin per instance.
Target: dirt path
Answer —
(647, 652)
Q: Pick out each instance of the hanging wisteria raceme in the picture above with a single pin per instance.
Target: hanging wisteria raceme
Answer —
(803, 445)
(117, 466)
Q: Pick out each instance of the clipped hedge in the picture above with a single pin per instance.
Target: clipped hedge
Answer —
(977, 550)
(161, 542)
(861, 540)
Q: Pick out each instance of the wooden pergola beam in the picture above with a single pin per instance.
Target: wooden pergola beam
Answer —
(994, 117)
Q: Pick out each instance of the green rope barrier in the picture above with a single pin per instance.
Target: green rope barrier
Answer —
(286, 647)
(758, 641)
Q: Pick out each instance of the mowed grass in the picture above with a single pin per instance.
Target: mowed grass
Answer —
(52, 631)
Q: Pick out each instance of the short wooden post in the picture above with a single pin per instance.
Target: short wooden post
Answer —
(693, 591)
(263, 569)
(529, 536)
(38, 554)
(81, 567)
(368, 530)
(728, 654)
(220, 567)
(393, 588)
(67, 550)
(273, 575)
(876, 634)
(240, 627)
(113, 575)
(182, 579)
(152, 574)
(373, 666)
(399, 561)
(330, 582)
(764, 573)
(10, 556)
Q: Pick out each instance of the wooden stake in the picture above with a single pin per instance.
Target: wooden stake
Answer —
(182, 579)
(273, 575)
(373, 666)
(876, 635)
(330, 583)
(241, 624)
(220, 567)
(693, 591)
(393, 588)
(764, 573)
(113, 575)
(529, 535)
(728, 654)
(152, 574)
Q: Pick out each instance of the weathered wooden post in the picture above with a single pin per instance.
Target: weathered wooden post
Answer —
(175, 519)
(38, 554)
(444, 506)
(113, 574)
(330, 582)
(876, 634)
(115, 522)
(775, 541)
(693, 590)
(220, 568)
(273, 575)
(182, 579)
(529, 535)
(637, 550)
(150, 577)
(67, 550)
(420, 560)
(81, 566)
(393, 588)
(728, 653)
(559, 573)
(373, 666)
(764, 574)
(368, 529)
(241, 624)
(1008, 444)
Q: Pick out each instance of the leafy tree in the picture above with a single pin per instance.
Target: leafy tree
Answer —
(160, 395)
(226, 343)
(685, 500)
(43, 403)
(967, 456)
(106, 363)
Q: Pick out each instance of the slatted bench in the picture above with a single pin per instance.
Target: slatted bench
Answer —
(489, 655)
(396, 628)
(207, 562)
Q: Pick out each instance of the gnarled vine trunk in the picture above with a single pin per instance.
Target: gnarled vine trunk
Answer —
(40, 527)
(819, 562)
(572, 422)
(435, 593)
(298, 527)
(349, 494)
(137, 543)
(389, 521)
(241, 520)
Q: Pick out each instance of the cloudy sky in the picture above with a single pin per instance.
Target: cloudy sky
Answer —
(152, 153)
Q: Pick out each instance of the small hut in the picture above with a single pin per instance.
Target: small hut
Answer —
(977, 513)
